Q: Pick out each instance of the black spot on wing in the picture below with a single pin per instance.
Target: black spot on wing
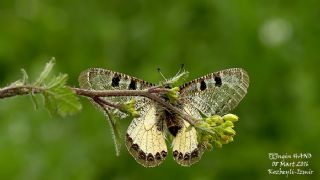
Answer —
(203, 85)
(175, 153)
(133, 84)
(150, 157)
(115, 81)
(164, 154)
(158, 156)
(142, 155)
(218, 81)
(186, 156)
(195, 153)
(135, 147)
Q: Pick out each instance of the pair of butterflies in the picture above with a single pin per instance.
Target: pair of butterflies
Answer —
(214, 94)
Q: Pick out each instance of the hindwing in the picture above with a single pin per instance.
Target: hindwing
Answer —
(145, 137)
(185, 146)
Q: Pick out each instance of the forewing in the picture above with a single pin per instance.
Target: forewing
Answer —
(145, 139)
(216, 93)
(102, 79)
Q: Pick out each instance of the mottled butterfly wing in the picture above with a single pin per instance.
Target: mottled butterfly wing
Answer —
(102, 79)
(145, 138)
(215, 93)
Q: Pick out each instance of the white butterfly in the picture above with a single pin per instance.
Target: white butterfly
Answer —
(216, 93)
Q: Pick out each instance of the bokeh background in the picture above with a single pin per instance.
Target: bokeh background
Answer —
(277, 42)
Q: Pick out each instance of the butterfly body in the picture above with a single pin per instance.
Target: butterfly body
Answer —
(215, 93)
(173, 122)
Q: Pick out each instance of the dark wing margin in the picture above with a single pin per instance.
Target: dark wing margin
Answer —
(216, 93)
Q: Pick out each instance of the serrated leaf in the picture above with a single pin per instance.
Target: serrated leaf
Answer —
(24, 76)
(179, 79)
(61, 100)
(58, 81)
(44, 74)
(50, 103)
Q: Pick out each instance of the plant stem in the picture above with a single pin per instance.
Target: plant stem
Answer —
(94, 94)
(145, 93)
(18, 90)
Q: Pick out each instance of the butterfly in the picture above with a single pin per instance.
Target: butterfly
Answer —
(213, 94)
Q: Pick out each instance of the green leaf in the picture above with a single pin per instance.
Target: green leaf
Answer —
(60, 99)
(24, 76)
(44, 74)
(177, 80)
(58, 81)
(50, 103)
(22, 81)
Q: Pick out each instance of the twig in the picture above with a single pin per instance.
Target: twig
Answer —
(104, 103)
(95, 94)
(18, 90)
(145, 93)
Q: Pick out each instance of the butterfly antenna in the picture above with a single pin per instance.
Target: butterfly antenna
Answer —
(180, 70)
(159, 71)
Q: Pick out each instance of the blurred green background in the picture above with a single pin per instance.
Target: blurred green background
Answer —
(277, 42)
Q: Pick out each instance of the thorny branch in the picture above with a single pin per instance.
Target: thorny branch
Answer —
(151, 93)
(62, 99)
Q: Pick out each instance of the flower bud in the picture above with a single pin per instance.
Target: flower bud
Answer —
(217, 119)
(208, 146)
(229, 131)
(129, 107)
(228, 124)
(224, 137)
(217, 144)
(206, 138)
(230, 139)
(173, 94)
(230, 117)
